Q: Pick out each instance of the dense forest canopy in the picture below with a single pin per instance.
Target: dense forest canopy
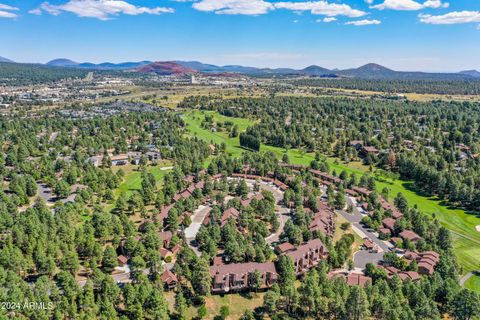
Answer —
(27, 74)
(449, 87)
(436, 144)
(62, 254)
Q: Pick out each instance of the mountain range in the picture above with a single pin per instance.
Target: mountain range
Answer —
(368, 71)
(2, 59)
(62, 62)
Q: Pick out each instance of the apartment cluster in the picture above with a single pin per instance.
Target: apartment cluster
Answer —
(323, 220)
(237, 277)
(426, 263)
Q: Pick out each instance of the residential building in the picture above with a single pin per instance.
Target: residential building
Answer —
(237, 277)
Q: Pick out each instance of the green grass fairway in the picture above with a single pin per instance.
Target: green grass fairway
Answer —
(194, 120)
(473, 283)
(133, 178)
(466, 240)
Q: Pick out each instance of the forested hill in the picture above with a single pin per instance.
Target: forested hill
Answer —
(24, 74)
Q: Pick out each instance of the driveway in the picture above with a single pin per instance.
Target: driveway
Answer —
(282, 212)
(192, 230)
(362, 257)
(45, 192)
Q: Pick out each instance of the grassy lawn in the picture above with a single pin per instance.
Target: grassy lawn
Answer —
(237, 304)
(194, 120)
(473, 283)
(133, 178)
(339, 233)
(466, 240)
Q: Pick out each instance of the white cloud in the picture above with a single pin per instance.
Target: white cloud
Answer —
(435, 4)
(36, 11)
(455, 17)
(328, 19)
(321, 8)
(363, 22)
(257, 7)
(100, 9)
(6, 11)
(247, 7)
(409, 5)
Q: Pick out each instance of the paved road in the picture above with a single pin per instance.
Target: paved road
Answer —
(282, 212)
(192, 230)
(362, 257)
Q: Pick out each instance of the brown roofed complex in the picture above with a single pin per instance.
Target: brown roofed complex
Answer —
(237, 276)
(308, 255)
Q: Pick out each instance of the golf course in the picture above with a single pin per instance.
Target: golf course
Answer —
(466, 239)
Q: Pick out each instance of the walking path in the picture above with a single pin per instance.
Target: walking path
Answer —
(467, 276)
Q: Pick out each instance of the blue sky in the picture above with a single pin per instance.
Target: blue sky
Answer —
(427, 35)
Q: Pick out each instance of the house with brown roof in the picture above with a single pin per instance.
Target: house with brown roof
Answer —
(323, 221)
(200, 184)
(164, 212)
(308, 255)
(227, 214)
(370, 150)
(389, 207)
(176, 249)
(122, 260)
(426, 268)
(351, 192)
(389, 223)
(364, 192)
(284, 247)
(410, 235)
(427, 261)
(165, 253)
(384, 232)
(355, 279)
(352, 279)
(169, 279)
(282, 186)
(185, 194)
(237, 277)
(166, 237)
(326, 176)
(217, 260)
(369, 245)
(411, 275)
(403, 275)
